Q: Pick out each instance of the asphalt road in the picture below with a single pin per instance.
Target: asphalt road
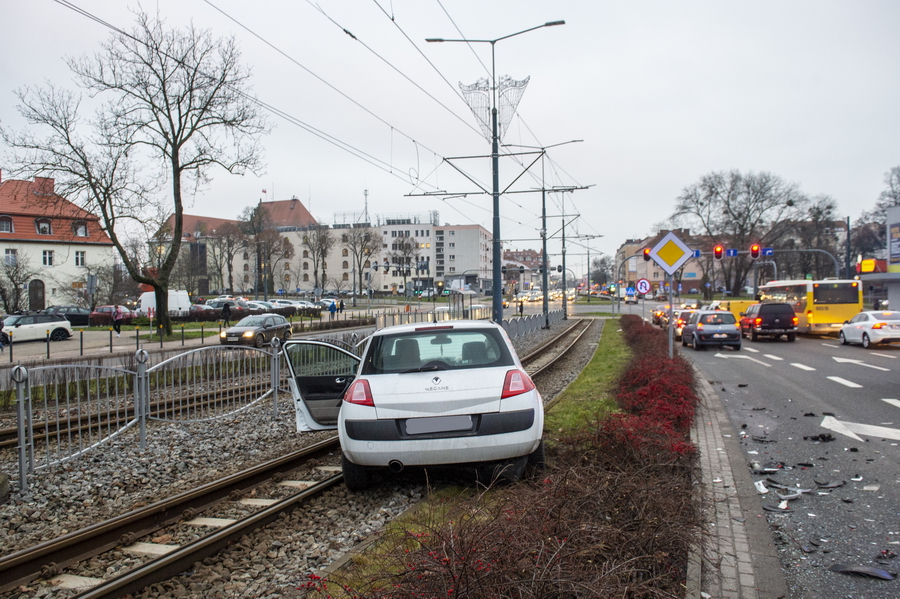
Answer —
(820, 413)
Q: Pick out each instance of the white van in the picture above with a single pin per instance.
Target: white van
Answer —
(179, 303)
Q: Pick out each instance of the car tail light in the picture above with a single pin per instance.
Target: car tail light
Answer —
(516, 383)
(878, 325)
(795, 320)
(757, 321)
(359, 393)
(699, 326)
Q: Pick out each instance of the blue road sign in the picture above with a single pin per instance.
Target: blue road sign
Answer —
(731, 253)
(768, 251)
(281, 292)
(708, 284)
(696, 253)
(630, 291)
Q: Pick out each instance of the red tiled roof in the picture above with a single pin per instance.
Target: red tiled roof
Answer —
(289, 213)
(24, 202)
(284, 213)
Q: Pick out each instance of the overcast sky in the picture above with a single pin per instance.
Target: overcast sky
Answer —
(660, 92)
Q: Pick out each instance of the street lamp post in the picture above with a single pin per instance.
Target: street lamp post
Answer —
(497, 289)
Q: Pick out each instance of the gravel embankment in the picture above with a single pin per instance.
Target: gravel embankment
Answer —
(270, 563)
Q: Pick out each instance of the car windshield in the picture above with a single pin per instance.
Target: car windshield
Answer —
(251, 321)
(11, 320)
(720, 318)
(436, 349)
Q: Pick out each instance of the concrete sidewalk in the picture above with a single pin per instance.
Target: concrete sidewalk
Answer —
(740, 560)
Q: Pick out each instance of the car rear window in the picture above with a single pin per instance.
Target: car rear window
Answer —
(721, 318)
(887, 316)
(776, 309)
(448, 348)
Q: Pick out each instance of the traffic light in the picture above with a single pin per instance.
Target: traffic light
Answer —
(559, 268)
(646, 254)
(718, 252)
(754, 251)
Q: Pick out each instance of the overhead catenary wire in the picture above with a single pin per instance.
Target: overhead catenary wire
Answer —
(347, 147)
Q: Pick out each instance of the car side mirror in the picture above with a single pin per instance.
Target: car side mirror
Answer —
(846, 322)
(742, 314)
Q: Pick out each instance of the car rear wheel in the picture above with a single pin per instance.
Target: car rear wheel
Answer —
(696, 343)
(736, 347)
(754, 336)
(684, 342)
(842, 338)
(537, 462)
(792, 337)
(259, 341)
(59, 335)
(287, 335)
(867, 343)
(356, 478)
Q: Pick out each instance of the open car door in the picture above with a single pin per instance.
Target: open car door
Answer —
(320, 374)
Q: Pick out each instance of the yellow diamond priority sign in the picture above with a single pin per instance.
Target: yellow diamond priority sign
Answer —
(670, 253)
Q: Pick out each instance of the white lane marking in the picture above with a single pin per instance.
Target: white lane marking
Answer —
(750, 349)
(744, 358)
(845, 382)
(833, 424)
(893, 402)
(871, 353)
(860, 362)
(851, 429)
(802, 366)
(830, 345)
(771, 357)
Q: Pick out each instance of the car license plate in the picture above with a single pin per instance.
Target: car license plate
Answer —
(719, 335)
(232, 338)
(438, 424)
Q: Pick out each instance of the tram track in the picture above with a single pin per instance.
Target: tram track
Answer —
(49, 560)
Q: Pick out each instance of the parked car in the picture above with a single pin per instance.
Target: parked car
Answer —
(261, 306)
(37, 326)
(871, 327)
(103, 315)
(711, 327)
(76, 315)
(256, 330)
(202, 312)
(239, 308)
(422, 395)
(773, 320)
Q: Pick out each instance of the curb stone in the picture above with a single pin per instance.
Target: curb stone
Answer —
(740, 560)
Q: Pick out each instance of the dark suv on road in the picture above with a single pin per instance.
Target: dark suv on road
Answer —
(773, 320)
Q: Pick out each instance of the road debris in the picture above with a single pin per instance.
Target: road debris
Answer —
(863, 570)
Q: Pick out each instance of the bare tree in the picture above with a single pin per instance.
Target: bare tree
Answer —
(319, 241)
(223, 245)
(276, 251)
(17, 271)
(363, 243)
(175, 97)
(871, 228)
(739, 210)
(404, 254)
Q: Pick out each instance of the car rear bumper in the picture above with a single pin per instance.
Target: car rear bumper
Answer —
(495, 436)
(768, 331)
(729, 338)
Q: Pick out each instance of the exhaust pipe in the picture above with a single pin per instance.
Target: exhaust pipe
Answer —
(395, 466)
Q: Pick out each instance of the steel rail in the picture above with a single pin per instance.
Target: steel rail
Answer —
(179, 560)
(576, 332)
(48, 558)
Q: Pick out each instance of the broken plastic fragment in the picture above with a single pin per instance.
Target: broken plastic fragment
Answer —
(776, 508)
(761, 487)
(830, 485)
(864, 570)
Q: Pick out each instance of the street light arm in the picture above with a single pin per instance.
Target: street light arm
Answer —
(547, 24)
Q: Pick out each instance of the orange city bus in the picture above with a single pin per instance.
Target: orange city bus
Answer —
(821, 306)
